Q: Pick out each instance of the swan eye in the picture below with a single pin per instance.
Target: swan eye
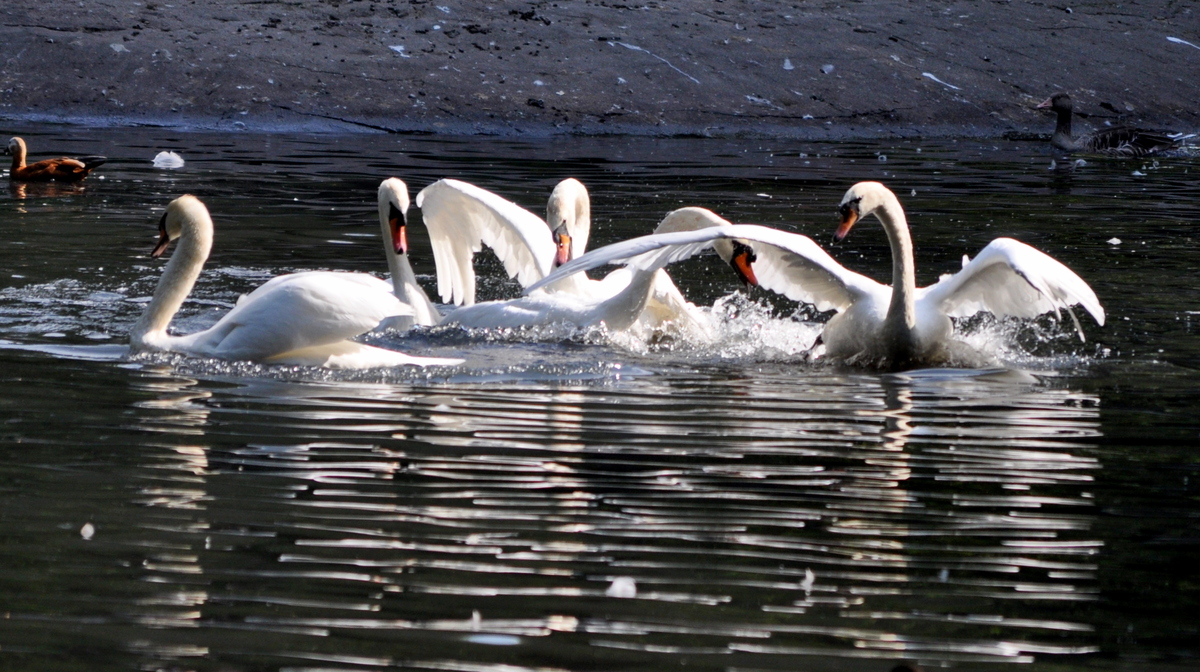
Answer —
(743, 250)
(849, 206)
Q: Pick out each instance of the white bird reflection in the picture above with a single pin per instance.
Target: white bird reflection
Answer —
(411, 508)
(176, 486)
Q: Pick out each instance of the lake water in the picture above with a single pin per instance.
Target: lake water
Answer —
(569, 501)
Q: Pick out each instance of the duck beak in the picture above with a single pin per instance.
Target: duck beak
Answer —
(164, 239)
(562, 241)
(743, 257)
(1044, 105)
(398, 224)
(849, 217)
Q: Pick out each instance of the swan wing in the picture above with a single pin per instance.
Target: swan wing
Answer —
(299, 311)
(786, 263)
(1009, 277)
(461, 218)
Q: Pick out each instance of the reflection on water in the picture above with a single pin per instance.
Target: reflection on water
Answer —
(759, 520)
(568, 501)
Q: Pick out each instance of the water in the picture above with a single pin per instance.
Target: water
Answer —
(566, 501)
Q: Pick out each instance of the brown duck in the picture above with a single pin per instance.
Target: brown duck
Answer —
(1117, 141)
(59, 170)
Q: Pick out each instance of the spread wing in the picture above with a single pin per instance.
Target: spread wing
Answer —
(461, 218)
(786, 263)
(1011, 278)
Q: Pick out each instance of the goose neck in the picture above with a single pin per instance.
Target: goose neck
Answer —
(1063, 125)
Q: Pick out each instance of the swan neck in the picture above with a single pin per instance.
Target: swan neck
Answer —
(176, 283)
(626, 306)
(902, 313)
(583, 227)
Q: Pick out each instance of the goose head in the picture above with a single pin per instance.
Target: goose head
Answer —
(185, 215)
(569, 216)
(1059, 102)
(393, 213)
(738, 254)
(864, 198)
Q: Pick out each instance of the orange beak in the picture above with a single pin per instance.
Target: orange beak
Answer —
(849, 218)
(563, 252)
(1044, 104)
(741, 262)
(164, 239)
(397, 224)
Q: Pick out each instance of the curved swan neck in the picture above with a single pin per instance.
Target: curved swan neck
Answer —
(623, 309)
(177, 279)
(393, 199)
(398, 267)
(902, 312)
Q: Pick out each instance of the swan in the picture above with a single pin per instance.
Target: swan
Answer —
(622, 299)
(891, 328)
(1118, 141)
(393, 221)
(62, 169)
(302, 318)
(462, 217)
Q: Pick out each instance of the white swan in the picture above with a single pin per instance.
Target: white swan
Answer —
(624, 298)
(302, 318)
(461, 218)
(393, 221)
(876, 326)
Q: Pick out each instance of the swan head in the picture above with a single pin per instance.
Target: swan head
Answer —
(739, 255)
(864, 198)
(1059, 102)
(185, 215)
(393, 212)
(569, 216)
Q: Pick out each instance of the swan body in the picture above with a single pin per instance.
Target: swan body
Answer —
(62, 169)
(393, 221)
(876, 325)
(620, 301)
(302, 318)
(1123, 141)
(623, 299)
(461, 218)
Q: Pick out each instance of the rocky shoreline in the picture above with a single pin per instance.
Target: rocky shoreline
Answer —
(809, 70)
